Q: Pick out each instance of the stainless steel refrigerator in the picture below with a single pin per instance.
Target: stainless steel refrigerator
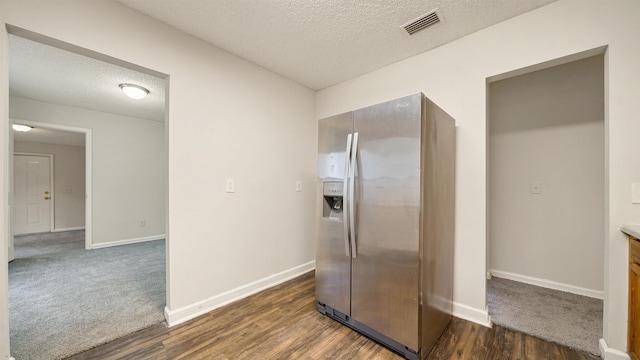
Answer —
(386, 187)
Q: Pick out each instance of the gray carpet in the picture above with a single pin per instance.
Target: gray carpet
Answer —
(64, 299)
(560, 317)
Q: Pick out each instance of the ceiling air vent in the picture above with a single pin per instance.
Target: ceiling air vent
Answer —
(422, 22)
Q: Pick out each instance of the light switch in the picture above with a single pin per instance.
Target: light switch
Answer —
(231, 187)
(535, 187)
(635, 193)
(298, 186)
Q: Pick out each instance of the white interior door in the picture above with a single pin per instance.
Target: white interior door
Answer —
(32, 194)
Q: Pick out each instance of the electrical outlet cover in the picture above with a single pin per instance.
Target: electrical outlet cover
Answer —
(535, 187)
(635, 193)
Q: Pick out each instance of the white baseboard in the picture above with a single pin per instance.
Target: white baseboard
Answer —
(472, 314)
(608, 353)
(177, 316)
(68, 229)
(548, 284)
(127, 241)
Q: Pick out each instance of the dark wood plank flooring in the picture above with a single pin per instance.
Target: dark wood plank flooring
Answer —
(282, 323)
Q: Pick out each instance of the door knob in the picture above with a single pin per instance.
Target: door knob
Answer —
(46, 198)
(46, 193)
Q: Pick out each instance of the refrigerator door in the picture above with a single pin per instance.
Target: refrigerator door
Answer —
(333, 256)
(385, 278)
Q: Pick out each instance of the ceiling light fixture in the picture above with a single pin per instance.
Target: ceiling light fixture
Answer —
(21, 128)
(134, 91)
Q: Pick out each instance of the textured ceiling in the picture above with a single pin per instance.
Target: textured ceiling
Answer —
(319, 43)
(316, 43)
(42, 72)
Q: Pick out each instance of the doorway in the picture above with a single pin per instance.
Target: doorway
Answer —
(125, 165)
(547, 199)
(71, 199)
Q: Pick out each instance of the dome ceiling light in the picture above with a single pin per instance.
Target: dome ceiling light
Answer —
(134, 91)
(21, 128)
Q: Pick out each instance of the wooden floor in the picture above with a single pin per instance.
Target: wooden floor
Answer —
(283, 323)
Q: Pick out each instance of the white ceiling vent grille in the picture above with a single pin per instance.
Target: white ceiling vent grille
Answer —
(422, 22)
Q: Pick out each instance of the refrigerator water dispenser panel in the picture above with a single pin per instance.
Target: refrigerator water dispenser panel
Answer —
(332, 193)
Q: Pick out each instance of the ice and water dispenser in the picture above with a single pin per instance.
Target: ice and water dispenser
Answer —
(333, 202)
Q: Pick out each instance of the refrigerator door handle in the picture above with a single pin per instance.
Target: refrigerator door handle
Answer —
(351, 201)
(345, 189)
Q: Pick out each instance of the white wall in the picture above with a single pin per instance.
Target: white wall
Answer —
(68, 175)
(128, 168)
(227, 118)
(454, 76)
(548, 126)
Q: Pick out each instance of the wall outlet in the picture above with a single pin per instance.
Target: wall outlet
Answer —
(298, 186)
(231, 187)
(535, 187)
(635, 193)
(142, 223)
